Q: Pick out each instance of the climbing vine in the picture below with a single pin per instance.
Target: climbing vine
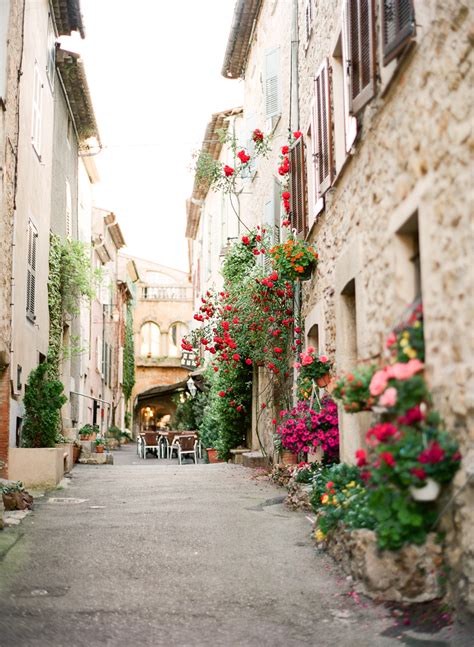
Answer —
(128, 356)
(55, 305)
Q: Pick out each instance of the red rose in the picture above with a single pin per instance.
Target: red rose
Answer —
(285, 195)
(285, 150)
(246, 240)
(257, 135)
(361, 458)
(236, 357)
(433, 454)
(388, 458)
(297, 134)
(248, 361)
(222, 394)
(419, 472)
(228, 171)
(243, 157)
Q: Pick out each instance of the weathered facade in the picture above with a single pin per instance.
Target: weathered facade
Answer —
(161, 317)
(11, 46)
(381, 93)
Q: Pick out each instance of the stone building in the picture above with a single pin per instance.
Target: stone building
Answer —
(11, 46)
(161, 317)
(382, 94)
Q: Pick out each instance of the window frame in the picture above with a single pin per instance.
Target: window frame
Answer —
(31, 261)
(352, 24)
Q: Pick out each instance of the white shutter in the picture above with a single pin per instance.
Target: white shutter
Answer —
(68, 211)
(31, 271)
(272, 82)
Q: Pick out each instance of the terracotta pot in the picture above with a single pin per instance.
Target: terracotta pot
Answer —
(76, 452)
(288, 458)
(428, 492)
(99, 449)
(212, 455)
(85, 437)
(323, 380)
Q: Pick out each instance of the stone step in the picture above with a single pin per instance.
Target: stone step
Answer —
(254, 459)
(237, 454)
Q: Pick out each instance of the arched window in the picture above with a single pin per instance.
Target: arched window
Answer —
(150, 340)
(175, 334)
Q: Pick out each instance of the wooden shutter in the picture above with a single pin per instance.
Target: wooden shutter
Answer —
(31, 272)
(361, 53)
(298, 187)
(398, 27)
(272, 90)
(323, 130)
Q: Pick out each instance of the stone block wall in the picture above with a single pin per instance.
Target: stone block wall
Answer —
(412, 156)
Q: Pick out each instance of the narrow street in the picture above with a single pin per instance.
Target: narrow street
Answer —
(153, 554)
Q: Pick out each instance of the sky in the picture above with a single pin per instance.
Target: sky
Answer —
(153, 68)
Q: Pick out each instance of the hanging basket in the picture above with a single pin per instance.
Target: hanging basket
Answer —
(428, 492)
(323, 380)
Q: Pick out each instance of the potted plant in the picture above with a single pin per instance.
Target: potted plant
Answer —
(15, 497)
(76, 450)
(88, 432)
(312, 368)
(352, 389)
(294, 259)
(99, 445)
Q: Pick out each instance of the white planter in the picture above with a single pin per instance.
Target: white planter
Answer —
(428, 492)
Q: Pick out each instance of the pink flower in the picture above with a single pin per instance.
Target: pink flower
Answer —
(391, 339)
(306, 359)
(323, 359)
(379, 381)
(402, 371)
(389, 397)
(432, 455)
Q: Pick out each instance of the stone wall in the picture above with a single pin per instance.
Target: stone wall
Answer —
(8, 154)
(411, 156)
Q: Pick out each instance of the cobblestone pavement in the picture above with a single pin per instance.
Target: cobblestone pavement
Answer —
(153, 553)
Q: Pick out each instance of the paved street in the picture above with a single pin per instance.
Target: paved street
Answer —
(153, 554)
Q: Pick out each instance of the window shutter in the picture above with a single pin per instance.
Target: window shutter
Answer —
(298, 187)
(272, 90)
(398, 27)
(31, 272)
(323, 132)
(308, 20)
(36, 109)
(272, 222)
(361, 54)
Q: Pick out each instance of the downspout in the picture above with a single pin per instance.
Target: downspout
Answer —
(294, 94)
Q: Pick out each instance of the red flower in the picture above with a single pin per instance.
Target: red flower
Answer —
(248, 361)
(278, 350)
(285, 195)
(419, 472)
(285, 150)
(388, 458)
(361, 458)
(228, 171)
(246, 240)
(264, 405)
(243, 157)
(239, 408)
(216, 368)
(274, 421)
(222, 394)
(257, 135)
(297, 134)
(433, 454)
(236, 357)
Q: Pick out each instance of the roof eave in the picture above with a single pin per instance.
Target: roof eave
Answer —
(241, 32)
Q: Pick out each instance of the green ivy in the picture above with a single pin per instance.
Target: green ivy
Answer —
(55, 305)
(43, 401)
(128, 356)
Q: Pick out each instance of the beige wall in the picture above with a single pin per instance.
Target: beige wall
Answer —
(33, 202)
(43, 467)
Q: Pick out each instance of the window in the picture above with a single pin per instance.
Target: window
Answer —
(322, 132)
(31, 272)
(348, 341)
(359, 54)
(51, 54)
(175, 334)
(98, 354)
(398, 27)
(37, 109)
(150, 340)
(298, 187)
(272, 89)
(408, 266)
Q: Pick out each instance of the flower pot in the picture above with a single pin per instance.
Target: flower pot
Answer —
(288, 458)
(323, 380)
(76, 452)
(99, 449)
(212, 455)
(428, 492)
(85, 437)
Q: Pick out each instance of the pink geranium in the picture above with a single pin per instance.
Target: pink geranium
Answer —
(306, 359)
(389, 397)
(379, 382)
(404, 371)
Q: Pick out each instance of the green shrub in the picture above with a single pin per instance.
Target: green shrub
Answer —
(43, 401)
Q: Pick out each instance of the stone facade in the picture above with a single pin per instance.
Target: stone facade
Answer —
(393, 222)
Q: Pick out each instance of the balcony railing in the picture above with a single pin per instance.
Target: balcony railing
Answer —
(166, 293)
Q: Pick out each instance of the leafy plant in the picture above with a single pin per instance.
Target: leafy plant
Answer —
(43, 401)
(128, 360)
(99, 441)
(88, 430)
(352, 389)
(10, 488)
(311, 367)
(294, 258)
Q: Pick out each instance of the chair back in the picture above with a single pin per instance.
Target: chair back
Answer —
(186, 443)
(151, 438)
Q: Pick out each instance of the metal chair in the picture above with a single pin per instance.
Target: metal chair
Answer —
(187, 446)
(151, 441)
